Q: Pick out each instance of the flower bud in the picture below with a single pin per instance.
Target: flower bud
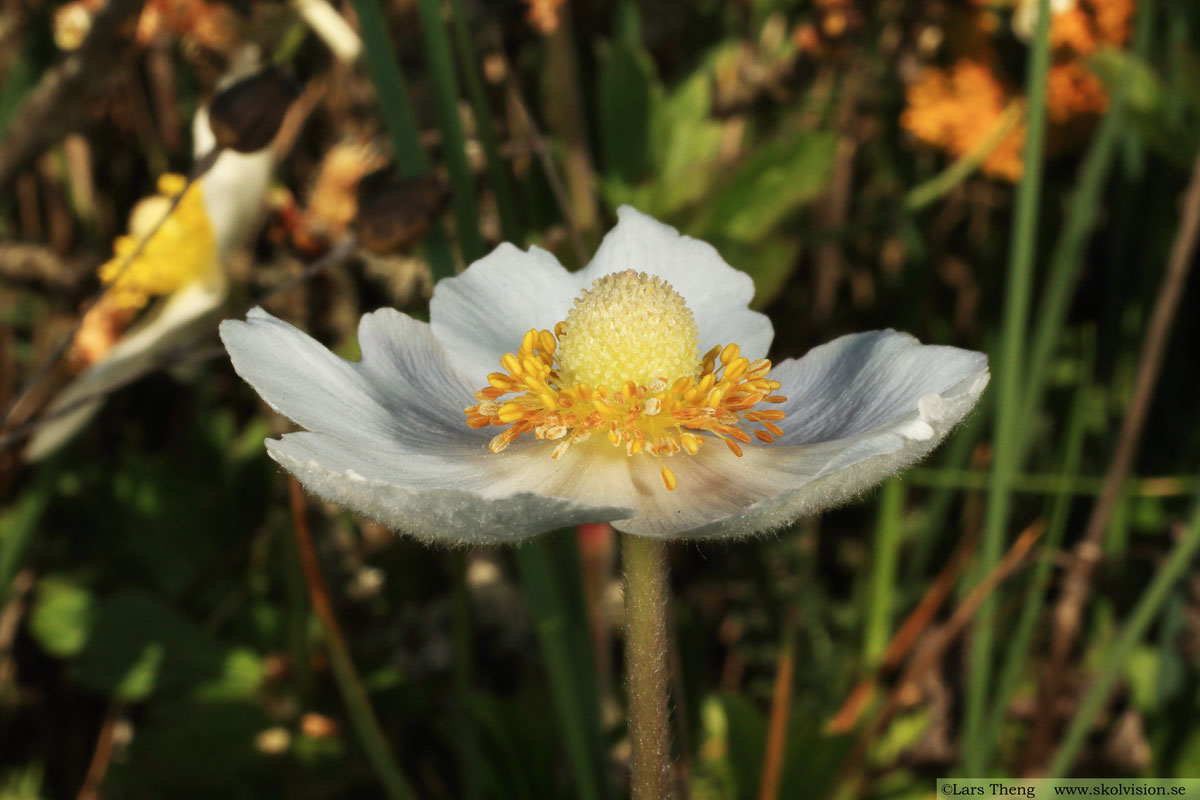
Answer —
(246, 115)
(395, 212)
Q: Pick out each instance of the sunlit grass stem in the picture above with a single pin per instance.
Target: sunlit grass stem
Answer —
(1020, 643)
(1009, 372)
(889, 528)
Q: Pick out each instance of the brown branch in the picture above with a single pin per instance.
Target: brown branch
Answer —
(102, 755)
(905, 637)
(781, 709)
(59, 104)
(935, 646)
(1077, 582)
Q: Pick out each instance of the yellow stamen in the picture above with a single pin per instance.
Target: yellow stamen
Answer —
(624, 364)
(182, 250)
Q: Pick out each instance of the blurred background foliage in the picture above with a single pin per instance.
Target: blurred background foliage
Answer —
(870, 164)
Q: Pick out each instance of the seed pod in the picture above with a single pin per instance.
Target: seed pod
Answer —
(394, 212)
(246, 115)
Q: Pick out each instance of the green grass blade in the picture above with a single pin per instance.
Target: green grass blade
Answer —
(571, 697)
(1016, 652)
(396, 107)
(1008, 432)
(1066, 260)
(454, 143)
(889, 530)
(1144, 613)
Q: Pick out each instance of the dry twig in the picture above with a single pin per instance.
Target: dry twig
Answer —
(1077, 582)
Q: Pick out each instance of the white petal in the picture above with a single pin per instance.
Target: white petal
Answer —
(482, 314)
(403, 390)
(717, 294)
(862, 408)
(388, 436)
(851, 385)
(235, 188)
(457, 497)
(174, 321)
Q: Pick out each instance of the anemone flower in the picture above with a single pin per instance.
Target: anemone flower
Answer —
(635, 391)
(175, 287)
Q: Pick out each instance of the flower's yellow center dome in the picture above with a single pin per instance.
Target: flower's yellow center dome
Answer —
(625, 363)
(182, 249)
(628, 327)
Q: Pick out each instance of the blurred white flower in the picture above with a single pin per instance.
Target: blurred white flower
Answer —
(178, 277)
(607, 406)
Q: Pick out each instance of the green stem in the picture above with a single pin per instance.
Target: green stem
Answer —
(1008, 435)
(1016, 652)
(889, 528)
(646, 658)
(964, 166)
(445, 97)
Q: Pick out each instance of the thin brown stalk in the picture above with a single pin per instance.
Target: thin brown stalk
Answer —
(934, 647)
(354, 693)
(1077, 582)
(905, 637)
(101, 755)
(781, 711)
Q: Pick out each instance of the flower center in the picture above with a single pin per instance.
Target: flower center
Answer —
(625, 363)
(628, 327)
(182, 249)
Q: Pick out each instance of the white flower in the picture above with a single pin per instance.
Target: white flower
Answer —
(525, 346)
(181, 269)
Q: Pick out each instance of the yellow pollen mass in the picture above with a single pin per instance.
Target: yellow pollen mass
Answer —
(182, 250)
(624, 369)
(628, 326)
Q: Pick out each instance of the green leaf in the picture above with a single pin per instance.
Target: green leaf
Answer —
(772, 184)
(62, 616)
(626, 77)
(19, 523)
(747, 742)
(139, 645)
(684, 144)
(188, 748)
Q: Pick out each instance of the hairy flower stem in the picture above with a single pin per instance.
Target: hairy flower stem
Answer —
(646, 661)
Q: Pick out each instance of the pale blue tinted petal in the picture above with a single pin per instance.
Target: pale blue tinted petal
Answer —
(862, 408)
(457, 499)
(402, 390)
